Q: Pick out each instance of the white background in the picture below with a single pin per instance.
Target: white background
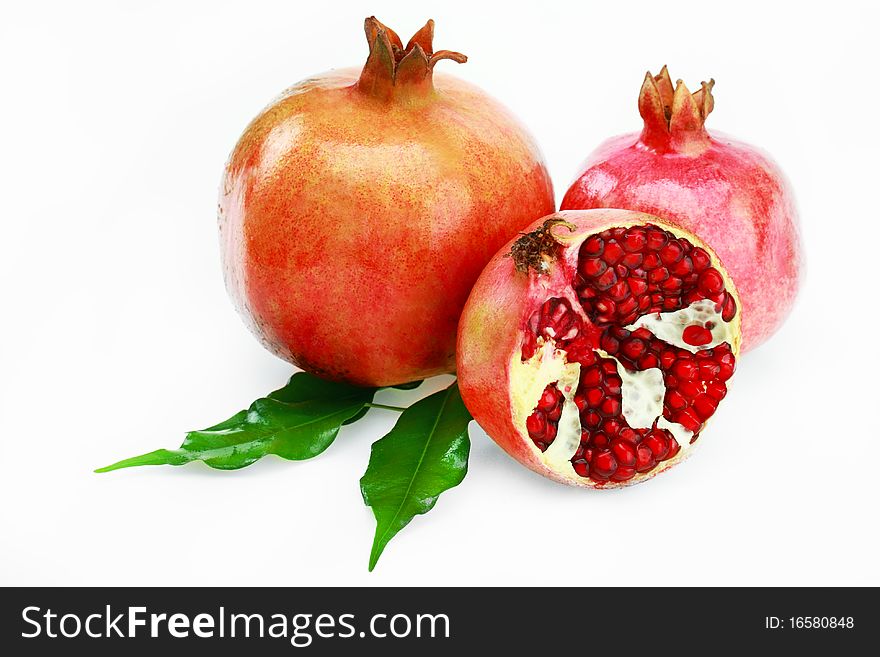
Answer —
(117, 336)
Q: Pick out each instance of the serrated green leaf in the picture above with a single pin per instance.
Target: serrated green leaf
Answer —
(296, 422)
(425, 454)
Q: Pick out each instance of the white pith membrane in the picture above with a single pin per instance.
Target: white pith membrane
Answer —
(670, 326)
(642, 392)
(549, 365)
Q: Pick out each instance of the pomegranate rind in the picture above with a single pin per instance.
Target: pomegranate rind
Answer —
(492, 326)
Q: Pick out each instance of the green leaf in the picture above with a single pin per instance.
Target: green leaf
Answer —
(412, 385)
(296, 422)
(424, 454)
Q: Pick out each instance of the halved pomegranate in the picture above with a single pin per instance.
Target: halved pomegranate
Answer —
(594, 347)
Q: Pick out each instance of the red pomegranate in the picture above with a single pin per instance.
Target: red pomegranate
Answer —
(595, 347)
(727, 192)
(358, 209)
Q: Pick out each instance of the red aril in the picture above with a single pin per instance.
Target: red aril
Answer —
(583, 365)
(358, 209)
(728, 193)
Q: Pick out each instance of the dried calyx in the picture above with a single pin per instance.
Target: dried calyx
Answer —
(394, 71)
(532, 250)
(674, 117)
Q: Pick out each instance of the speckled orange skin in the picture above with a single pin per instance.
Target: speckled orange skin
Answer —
(352, 228)
(494, 320)
(726, 192)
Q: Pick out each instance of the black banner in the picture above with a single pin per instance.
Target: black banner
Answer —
(433, 621)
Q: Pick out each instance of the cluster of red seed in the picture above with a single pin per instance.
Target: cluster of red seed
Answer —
(695, 382)
(543, 423)
(610, 449)
(555, 320)
(624, 273)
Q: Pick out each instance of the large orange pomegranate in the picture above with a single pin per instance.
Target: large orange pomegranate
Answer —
(358, 209)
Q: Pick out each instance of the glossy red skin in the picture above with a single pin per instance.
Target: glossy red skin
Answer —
(489, 333)
(352, 230)
(727, 193)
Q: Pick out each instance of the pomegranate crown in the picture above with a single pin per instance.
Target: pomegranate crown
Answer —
(532, 250)
(674, 117)
(393, 70)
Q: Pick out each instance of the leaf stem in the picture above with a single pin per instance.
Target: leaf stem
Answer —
(399, 409)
